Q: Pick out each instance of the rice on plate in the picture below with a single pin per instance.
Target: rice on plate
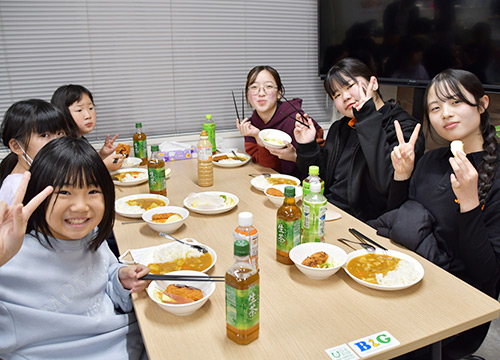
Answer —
(383, 269)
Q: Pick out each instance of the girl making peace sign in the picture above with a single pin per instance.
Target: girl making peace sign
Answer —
(449, 209)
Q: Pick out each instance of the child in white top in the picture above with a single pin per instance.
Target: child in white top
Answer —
(27, 126)
(64, 295)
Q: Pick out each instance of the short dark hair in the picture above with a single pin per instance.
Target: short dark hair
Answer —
(75, 162)
(25, 118)
(347, 68)
(252, 75)
(66, 95)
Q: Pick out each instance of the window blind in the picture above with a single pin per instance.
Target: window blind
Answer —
(164, 63)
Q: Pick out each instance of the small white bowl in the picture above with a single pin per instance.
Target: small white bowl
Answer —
(278, 200)
(131, 162)
(300, 252)
(207, 287)
(274, 138)
(165, 227)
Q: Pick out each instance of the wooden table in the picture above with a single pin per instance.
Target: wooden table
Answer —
(299, 318)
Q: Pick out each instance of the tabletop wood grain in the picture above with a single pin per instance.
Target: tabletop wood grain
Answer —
(299, 318)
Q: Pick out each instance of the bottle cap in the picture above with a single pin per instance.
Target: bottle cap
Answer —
(155, 147)
(208, 117)
(138, 125)
(315, 187)
(289, 191)
(314, 170)
(245, 219)
(241, 247)
(204, 133)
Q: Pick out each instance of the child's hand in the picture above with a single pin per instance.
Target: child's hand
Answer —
(108, 148)
(14, 218)
(247, 129)
(114, 161)
(129, 277)
(366, 92)
(464, 182)
(403, 155)
(288, 153)
(302, 133)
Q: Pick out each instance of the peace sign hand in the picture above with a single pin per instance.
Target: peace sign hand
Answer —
(14, 218)
(403, 155)
(366, 93)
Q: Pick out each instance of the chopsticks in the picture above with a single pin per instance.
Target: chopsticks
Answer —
(183, 278)
(362, 238)
(291, 117)
(302, 116)
(235, 106)
(242, 105)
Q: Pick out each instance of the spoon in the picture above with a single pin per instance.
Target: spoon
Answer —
(266, 175)
(365, 246)
(237, 157)
(197, 247)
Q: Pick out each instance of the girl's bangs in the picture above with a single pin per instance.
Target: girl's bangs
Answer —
(77, 175)
(340, 79)
(448, 88)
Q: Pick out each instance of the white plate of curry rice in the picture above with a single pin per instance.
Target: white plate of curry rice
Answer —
(229, 160)
(383, 269)
(130, 176)
(261, 182)
(133, 206)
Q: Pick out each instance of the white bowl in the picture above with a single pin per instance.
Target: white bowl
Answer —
(123, 209)
(274, 138)
(165, 227)
(143, 173)
(207, 287)
(300, 252)
(278, 200)
(131, 162)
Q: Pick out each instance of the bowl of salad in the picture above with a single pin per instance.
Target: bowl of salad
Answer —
(318, 261)
(274, 138)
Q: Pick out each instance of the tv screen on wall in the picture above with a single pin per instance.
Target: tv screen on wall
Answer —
(408, 42)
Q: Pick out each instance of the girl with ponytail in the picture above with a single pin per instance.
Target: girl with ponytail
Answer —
(447, 208)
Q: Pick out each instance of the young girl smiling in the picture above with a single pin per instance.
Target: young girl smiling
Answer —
(447, 208)
(65, 275)
(264, 91)
(355, 160)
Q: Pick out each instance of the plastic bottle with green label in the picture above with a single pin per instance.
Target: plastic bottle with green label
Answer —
(140, 144)
(209, 126)
(242, 296)
(313, 176)
(287, 227)
(313, 215)
(156, 172)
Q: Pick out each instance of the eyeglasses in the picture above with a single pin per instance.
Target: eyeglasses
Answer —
(268, 89)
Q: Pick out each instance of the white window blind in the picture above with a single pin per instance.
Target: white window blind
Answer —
(164, 63)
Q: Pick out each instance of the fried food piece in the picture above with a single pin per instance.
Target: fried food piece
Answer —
(123, 149)
(186, 291)
(163, 216)
(220, 157)
(275, 192)
(316, 259)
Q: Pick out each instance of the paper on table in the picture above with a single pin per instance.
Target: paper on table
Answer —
(332, 215)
